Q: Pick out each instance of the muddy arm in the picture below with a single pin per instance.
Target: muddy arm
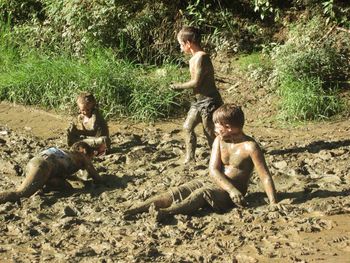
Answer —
(264, 173)
(215, 171)
(92, 172)
(196, 78)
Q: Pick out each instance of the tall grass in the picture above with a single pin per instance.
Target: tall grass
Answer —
(122, 88)
(307, 70)
(305, 99)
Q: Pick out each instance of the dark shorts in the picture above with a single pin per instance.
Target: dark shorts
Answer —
(216, 197)
(206, 107)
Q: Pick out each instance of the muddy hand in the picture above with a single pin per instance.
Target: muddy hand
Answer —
(277, 207)
(173, 86)
(237, 198)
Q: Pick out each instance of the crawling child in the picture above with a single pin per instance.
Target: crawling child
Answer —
(51, 168)
(90, 126)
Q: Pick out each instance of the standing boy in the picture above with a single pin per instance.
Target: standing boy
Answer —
(233, 158)
(202, 83)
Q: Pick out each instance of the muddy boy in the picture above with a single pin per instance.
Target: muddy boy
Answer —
(233, 158)
(90, 125)
(202, 82)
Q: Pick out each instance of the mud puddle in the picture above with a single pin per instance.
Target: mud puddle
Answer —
(309, 165)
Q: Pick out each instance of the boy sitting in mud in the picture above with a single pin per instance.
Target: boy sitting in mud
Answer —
(91, 127)
(202, 83)
(51, 168)
(233, 158)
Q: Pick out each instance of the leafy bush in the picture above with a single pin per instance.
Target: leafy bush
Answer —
(307, 69)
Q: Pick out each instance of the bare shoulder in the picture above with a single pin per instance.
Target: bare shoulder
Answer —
(199, 57)
(251, 145)
(79, 159)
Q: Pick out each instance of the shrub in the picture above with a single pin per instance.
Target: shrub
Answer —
(307, 69)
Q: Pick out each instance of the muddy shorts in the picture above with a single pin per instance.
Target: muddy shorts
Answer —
(216, 197)
(205, 107)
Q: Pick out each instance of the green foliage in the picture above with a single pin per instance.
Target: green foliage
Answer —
(19, 12)
(307, 69)
(139, 32)
(306, 99)
(253, 60)
(121, 88)
(265, 8)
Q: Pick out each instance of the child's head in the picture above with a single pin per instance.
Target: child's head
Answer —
(86, 103)
(229, 116)
(84, 148)
(188, 35)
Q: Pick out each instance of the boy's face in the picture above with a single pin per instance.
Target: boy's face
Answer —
(184, 46)
(85, 109)
(227, 131)
(83, 151)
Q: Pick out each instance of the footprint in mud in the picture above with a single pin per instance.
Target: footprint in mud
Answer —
(342, 242)
(340, 239)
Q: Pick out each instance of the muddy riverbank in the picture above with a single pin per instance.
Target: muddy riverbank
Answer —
(309, 163)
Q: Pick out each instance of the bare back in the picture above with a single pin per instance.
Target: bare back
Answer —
(202, 70)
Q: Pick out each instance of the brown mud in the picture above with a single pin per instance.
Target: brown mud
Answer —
(309, 164)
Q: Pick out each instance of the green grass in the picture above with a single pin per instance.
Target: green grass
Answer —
(306, 99)
(254, 60)
(121, 88)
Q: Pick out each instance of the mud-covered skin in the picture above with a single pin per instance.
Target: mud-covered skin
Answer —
(231, 166)
(50, 171)
(310, 229)
(186, 199)
(232, 161)
(93, 130)
(195, 117)
(203, 85)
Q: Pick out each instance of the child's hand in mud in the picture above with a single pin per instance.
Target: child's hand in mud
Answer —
(72, 127)
(237, 197)
(277, 207)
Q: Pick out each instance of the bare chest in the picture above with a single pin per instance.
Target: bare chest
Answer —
(235, 156)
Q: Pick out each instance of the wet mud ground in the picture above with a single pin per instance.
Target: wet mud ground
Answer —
(309, 164)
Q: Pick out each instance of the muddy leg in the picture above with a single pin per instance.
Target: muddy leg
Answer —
(187, 206)
(169, 199)
(192, 120)
(37, 173)
(159, 201)
(57, 183)
(101, 144)
(208, 128)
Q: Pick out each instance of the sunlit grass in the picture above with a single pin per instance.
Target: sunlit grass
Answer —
(122, 88)
(306, 99)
